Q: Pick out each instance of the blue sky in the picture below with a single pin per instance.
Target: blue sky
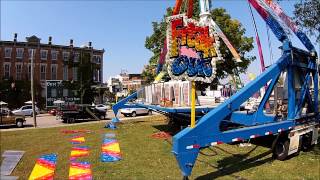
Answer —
(119, 27)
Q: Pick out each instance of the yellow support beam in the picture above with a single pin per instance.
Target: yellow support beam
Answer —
(193, 104)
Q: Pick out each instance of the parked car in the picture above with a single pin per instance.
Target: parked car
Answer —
(7, 118)
(26, 110)
(53, 112)
(133, 112)
(83, 112)
(102, 107)
(4, 110)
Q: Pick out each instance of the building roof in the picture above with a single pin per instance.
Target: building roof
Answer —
(35, 41)
(134, 75)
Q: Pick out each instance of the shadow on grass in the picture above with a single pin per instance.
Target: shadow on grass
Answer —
(235, 163)
(172, 129)
(137, 122)
(84, 120)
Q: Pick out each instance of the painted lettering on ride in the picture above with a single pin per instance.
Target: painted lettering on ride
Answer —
(192, 66)
(193, 49)
(192, 36)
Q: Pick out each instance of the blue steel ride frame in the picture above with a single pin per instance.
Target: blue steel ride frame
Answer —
(188, 142)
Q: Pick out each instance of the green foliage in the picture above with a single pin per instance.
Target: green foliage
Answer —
(110, 96)
(86, 69)
(232, 29)
(16, 95)
(307, 15)
(235, 33)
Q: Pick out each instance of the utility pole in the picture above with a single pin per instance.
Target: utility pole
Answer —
(32, 89)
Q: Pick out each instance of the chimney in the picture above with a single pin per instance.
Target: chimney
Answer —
(90, 44)
(71, 42)
(50, 40)
(15, 37)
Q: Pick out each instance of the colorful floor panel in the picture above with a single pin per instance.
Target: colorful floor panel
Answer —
(77, 140)
(66, 131)
(79, 151)
(80, 171)
(110, 150)
(44, 168)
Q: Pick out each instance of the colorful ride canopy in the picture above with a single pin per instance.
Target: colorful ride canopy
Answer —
(193, 49)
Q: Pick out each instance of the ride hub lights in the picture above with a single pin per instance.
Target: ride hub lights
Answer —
(193, 48)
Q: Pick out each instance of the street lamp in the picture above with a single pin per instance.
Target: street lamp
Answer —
(32, 88)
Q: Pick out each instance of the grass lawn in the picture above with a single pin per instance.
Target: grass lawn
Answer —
(148, 158)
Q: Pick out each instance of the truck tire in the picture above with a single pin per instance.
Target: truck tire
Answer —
(19, 123)
(133, 114)
(281, 149)
(306, 142)
(71, 120)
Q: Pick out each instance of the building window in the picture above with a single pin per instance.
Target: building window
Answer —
(18, 71)
(43, 72)
(54, 55)
(19, 53)
(94, 75)
(29, 71)
(76, 57)
(7, 52)
(65, 73)
(53, 72)
(75, 73)
(65, 92)
(44, 54)
(30, 53)
(53, 92)
(6, 70)
(97, 59)
(65, 56)
(43, 93)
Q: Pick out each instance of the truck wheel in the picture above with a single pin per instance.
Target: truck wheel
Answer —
(306, 142)
(281, 149)
(71, 120)
(133, 114)
(19, 123)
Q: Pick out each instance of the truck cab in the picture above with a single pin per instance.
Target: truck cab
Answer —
(8, 118)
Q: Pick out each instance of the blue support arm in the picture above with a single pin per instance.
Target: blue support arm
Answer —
(122, 104)
(207, 129)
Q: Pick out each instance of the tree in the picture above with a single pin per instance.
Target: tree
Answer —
(110, 96)
(232, 29)
(307, 15)
(86, 69)
(15, 93)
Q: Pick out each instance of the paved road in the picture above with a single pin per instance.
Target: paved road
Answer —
(47, 121)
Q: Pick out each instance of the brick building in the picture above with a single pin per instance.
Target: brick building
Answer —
(131, 82)
(51, 62)
(124, 83)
